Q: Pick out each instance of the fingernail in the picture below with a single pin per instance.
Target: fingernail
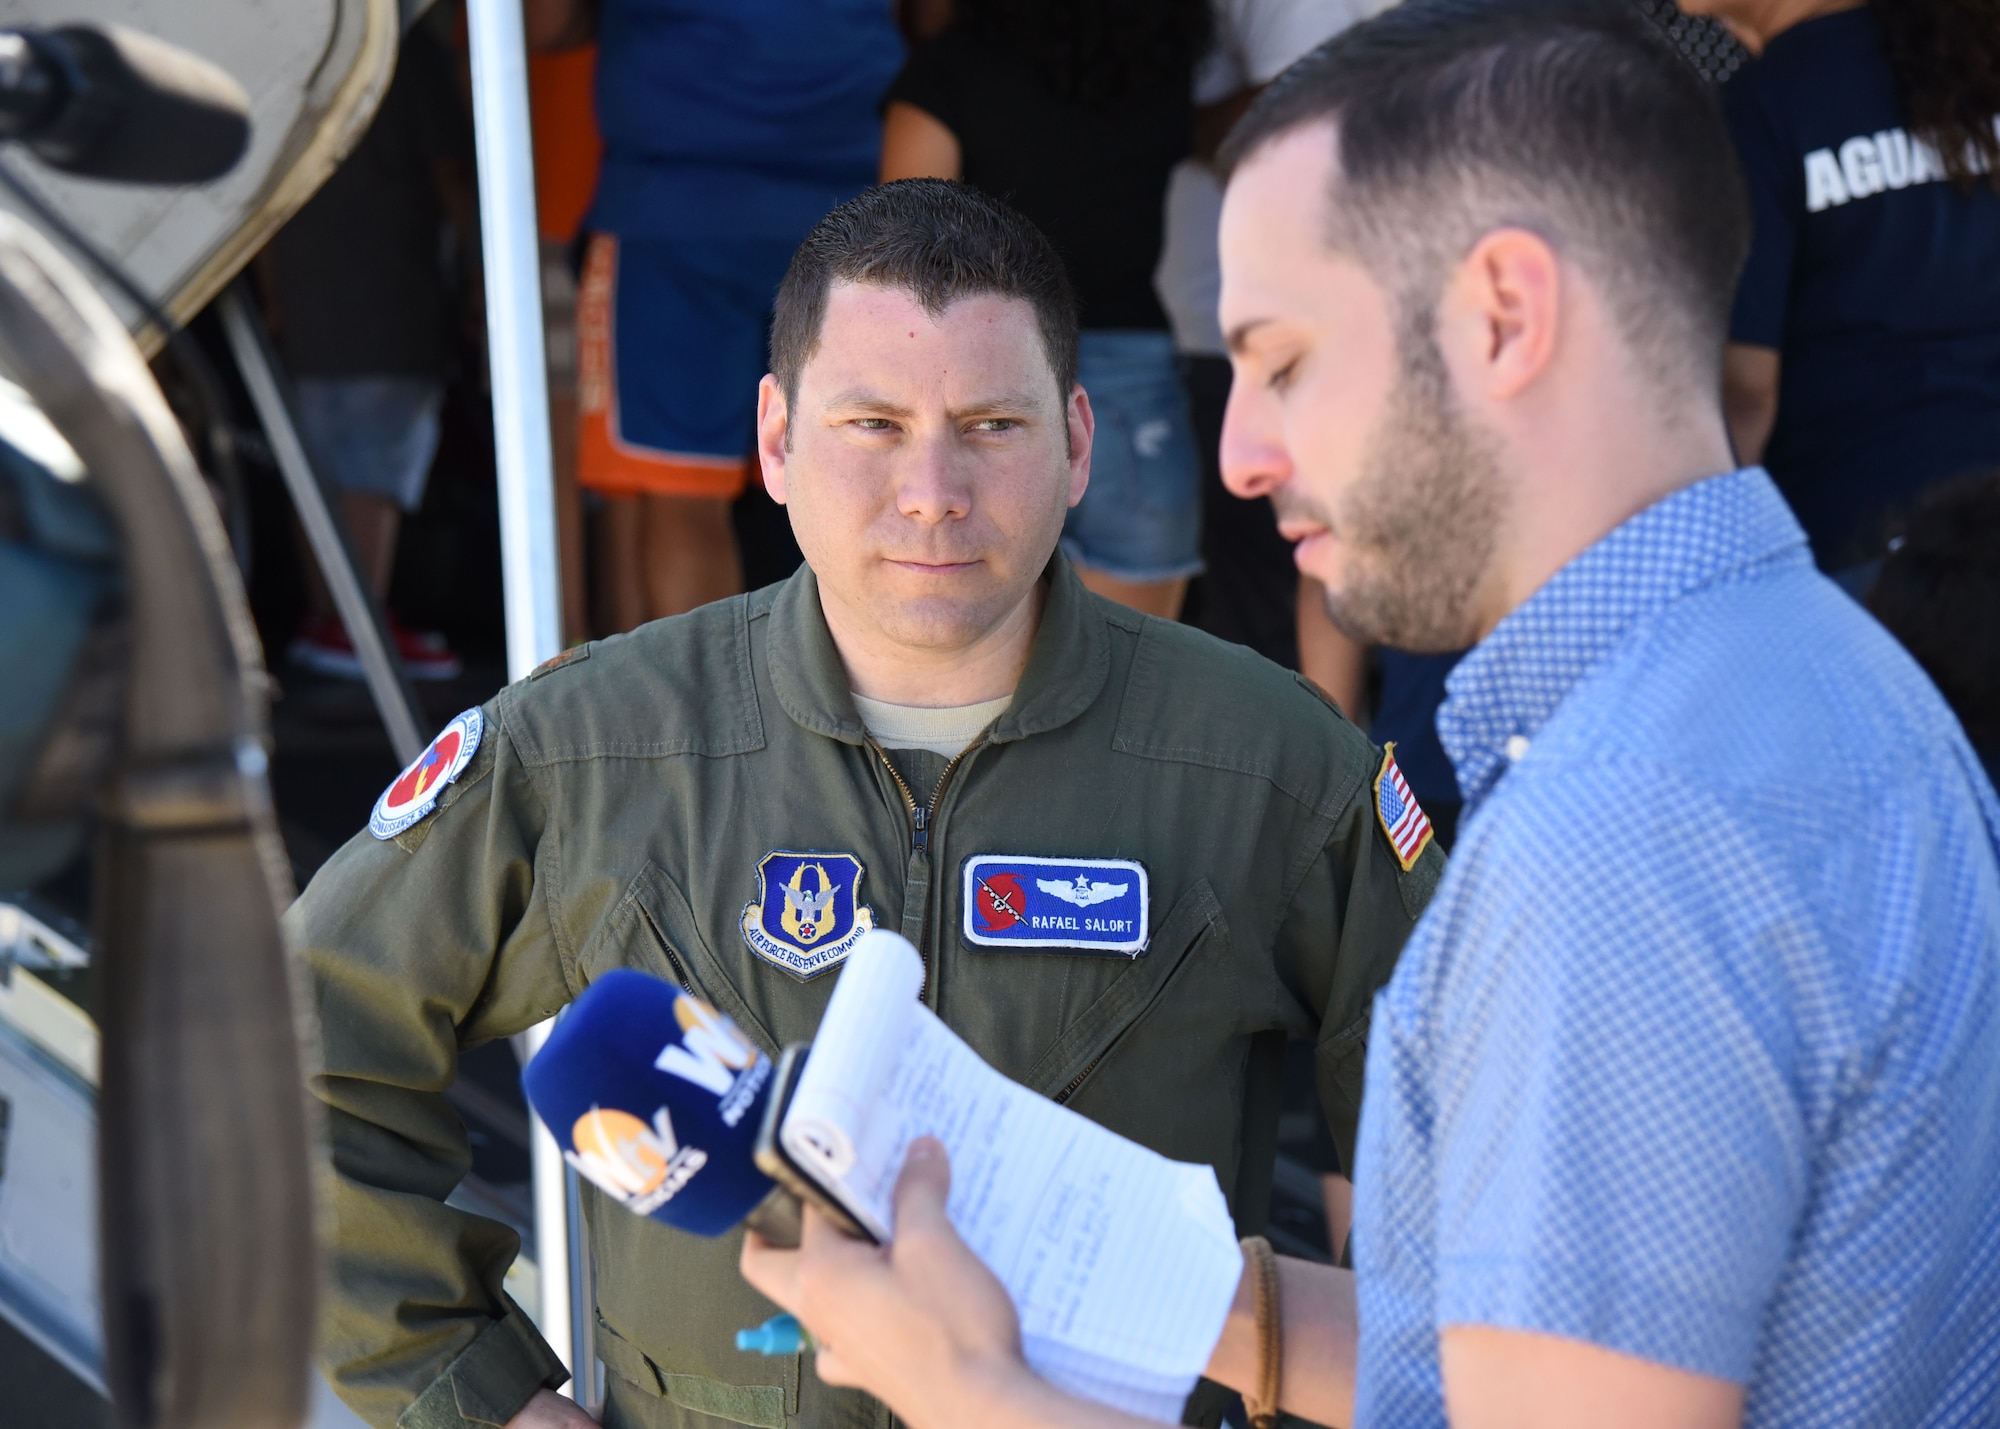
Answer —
(926, 1148)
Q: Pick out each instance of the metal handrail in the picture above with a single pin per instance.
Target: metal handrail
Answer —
(388, 681)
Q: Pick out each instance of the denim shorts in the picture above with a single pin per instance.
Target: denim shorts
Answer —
(1141, 518)
(372, 434)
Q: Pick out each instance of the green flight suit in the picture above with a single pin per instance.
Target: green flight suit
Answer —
(614, 816)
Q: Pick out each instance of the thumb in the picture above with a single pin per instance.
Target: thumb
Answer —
(924, 1187)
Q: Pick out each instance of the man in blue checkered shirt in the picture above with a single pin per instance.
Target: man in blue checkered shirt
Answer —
(1683, 1106)
(1684, 1103)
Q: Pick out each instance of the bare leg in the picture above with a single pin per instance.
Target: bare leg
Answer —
(1327, 656)
(559, 326)
(1161, 598)
(372, 524)
(569, 512)
(621, 592)
(690, 554)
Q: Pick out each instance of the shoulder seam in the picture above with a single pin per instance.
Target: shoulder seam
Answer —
(745, 737)
(1204, 759)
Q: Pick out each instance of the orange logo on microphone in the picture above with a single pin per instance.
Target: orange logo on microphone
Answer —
(643, 1166)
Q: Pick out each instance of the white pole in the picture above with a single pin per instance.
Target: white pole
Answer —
(527, 486)
(514, 335)
(548, 1180)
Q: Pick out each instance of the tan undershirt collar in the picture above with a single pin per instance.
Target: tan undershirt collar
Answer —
(946, 732)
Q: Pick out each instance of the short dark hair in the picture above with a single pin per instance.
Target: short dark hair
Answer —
(1572, 118)
(1945, 55)
(1939, 593)
(937, 240)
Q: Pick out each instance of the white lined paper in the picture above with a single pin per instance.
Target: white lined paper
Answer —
(1122, 1263)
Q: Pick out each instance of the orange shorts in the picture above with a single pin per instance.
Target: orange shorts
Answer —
(670, 347)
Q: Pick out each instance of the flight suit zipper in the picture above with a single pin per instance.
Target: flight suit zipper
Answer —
(674, 962)
(923, 817)
(1076, 1081)
(919, 836)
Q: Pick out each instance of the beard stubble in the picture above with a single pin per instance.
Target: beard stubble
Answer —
(1423, 519)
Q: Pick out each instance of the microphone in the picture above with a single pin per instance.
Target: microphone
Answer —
(656, 1097)
(106, 102)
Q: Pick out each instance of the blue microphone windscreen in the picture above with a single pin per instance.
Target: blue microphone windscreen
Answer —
(655, 1097)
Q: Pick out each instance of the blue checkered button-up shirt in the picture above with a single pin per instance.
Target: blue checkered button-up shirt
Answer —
(1696, 1053)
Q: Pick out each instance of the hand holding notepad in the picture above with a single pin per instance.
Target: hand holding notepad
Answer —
(1121, 1263)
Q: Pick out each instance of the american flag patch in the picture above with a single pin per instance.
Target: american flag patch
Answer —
(1404, 823)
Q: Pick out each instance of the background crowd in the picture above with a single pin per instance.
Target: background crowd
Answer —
(684, 147)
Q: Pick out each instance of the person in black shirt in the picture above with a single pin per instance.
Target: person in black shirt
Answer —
(1939, 593)
(1075, 112)
(1865, 355)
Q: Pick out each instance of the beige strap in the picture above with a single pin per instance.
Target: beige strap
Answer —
(1262, 1406)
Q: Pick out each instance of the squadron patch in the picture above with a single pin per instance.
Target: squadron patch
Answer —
(808, 914)
(1404, 822)
(415, 792)
(1097, 905)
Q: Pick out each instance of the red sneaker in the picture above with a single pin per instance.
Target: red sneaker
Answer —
(322, 645)
(427, 655)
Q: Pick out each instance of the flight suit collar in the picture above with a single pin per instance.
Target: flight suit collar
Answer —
(1067, 666)
(806, 673)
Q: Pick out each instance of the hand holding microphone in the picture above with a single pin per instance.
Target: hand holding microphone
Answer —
(657, 1098)
(662, 1102)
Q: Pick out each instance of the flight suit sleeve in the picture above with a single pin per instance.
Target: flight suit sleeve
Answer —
(1343, 931)
(414, 947)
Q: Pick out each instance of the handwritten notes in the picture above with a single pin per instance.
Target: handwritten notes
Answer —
(1121, 1263)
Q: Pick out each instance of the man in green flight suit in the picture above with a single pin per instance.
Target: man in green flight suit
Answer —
(1135, 859)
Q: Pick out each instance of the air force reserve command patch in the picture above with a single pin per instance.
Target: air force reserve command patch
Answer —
(1404, 822)
(1089, 905)
(415, 792)
(808, 914)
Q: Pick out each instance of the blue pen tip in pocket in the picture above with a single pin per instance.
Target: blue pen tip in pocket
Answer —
(779, 1335)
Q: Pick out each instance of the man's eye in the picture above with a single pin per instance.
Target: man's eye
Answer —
(875, 424)
(1282, 378)
(996, 424)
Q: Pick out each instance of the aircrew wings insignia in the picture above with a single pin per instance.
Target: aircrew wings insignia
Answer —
(1083, 893)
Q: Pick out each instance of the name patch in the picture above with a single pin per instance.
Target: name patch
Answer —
(808, 914)
(1097, 905)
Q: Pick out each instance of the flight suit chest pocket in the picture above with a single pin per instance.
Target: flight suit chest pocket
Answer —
(654, 929)
(1192, 934)
(764, 1406)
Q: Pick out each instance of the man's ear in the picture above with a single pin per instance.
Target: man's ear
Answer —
(1082, 431)
(1500, 313)
(773, 436)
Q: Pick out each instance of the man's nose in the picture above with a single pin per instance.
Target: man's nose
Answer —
(1254, 460)
(933, 483)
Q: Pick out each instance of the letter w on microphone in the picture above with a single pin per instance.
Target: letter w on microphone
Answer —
(714, 1055)
(643, 1165)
